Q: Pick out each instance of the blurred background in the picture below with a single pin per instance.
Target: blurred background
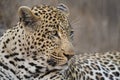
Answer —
(96, 23)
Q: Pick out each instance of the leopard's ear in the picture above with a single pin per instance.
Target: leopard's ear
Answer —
(62, 7)
(25, 15)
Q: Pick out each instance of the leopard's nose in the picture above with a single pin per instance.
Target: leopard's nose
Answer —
(70, 53)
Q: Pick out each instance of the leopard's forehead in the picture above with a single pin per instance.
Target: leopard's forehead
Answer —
(42, 10)
(49, 14)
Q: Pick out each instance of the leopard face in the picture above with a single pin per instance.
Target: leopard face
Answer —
(39, 42)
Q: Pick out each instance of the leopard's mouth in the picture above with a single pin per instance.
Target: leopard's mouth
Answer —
(68, 56)
(58, 60)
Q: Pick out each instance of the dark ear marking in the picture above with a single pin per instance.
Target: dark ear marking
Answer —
(62, 7)
(25, 15)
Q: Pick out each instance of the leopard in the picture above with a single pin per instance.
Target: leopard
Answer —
(39, 44)
(39, 48)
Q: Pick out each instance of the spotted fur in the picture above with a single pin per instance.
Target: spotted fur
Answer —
(93, 66)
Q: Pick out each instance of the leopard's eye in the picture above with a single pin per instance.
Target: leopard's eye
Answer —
(71, 33)
(55, 33)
